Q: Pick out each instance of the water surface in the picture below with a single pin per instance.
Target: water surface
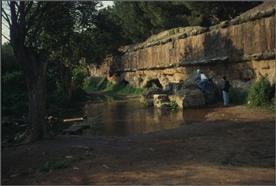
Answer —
(130, 117)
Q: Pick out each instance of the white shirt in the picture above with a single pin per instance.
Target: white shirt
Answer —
(203, 77)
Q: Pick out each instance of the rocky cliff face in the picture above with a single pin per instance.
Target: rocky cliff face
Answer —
(242, 49)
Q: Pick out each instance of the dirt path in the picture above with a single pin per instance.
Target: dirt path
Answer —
(232, 145)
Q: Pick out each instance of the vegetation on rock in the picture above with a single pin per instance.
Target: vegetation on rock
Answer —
(261, 93)
(104, 86)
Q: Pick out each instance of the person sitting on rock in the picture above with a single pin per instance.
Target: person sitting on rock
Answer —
(202, 81)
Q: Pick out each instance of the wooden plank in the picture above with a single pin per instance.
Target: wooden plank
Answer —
(73, 120)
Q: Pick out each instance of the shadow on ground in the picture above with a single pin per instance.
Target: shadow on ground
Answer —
(235, 150)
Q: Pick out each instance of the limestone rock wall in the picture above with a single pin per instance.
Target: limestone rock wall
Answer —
(242, 49)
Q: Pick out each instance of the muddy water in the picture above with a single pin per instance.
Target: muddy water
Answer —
(130, 117)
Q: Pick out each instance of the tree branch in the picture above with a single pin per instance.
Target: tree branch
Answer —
(14, 24)
(17, 10)
(13, 13)
(17, 6)
(7, 26)
(5, 37)
(21, 9)
(5, 16)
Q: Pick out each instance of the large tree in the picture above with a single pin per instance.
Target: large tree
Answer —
(139, 20)
(37, 29)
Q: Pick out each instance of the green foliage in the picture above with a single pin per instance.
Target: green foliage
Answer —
(238, 96)
(90, 83)
(103, 39)
(79, 73)
(104, 86)
(260, 93)
(124, 90)
(173, 106)
(14, 93)
(172, 32)
(54, 165)
(139, 20)
(10, 78)
(210, 13)
(8, 61)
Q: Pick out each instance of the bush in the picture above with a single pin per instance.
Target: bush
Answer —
(123, 89)
(260, 94)
(14, 93)
(91, 83)
(79, 73)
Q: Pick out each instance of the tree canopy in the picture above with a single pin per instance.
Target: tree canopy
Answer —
(139, 20)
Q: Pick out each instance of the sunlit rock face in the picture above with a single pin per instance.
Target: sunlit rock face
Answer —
(242, 49)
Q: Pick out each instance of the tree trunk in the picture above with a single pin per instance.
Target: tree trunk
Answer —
(37, 106)
(35, 72)
(68, 84)
(66, 81)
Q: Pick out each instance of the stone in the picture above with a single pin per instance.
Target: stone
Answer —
(163, 80)
(146, 101)
(147, 97)
(160, 97)
(169, 71)
(241, 84)
(189, 99)
(178, 99)
(151, 91)
(161, 101)
(114, 79)
(179, 76)
(164, 106)
(193, 98)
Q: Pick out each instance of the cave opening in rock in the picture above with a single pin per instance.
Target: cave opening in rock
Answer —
(154, 83)
(124, 82)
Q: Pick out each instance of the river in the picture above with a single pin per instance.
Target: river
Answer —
(129, 117)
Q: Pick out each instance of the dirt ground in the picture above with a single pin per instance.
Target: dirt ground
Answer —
(233, 145)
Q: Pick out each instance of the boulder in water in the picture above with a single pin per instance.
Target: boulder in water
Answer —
(189, 98)
(161, 101)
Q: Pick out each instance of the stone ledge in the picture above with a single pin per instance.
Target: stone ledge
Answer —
(216, 60)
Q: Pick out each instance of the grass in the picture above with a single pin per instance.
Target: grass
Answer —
(124, 90)
(104, 86)
(267, 107)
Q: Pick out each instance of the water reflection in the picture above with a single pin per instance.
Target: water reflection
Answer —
(129, 117)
